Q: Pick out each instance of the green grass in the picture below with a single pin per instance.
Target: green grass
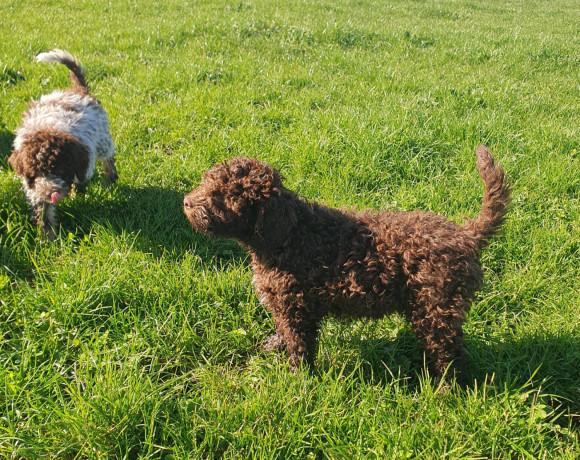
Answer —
(133, 337)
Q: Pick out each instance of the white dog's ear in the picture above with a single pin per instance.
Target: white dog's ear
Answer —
(22, 164)
(41, 156)
(78, 157)
(15, 161)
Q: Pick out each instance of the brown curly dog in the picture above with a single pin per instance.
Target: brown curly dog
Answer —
(310, 261)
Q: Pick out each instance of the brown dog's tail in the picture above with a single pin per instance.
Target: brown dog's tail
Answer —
(77, 71)
(495, 200)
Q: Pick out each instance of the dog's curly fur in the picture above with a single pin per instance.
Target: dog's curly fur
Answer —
(311, 261)
(60, 138)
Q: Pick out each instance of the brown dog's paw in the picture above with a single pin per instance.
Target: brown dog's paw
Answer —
(274, 342)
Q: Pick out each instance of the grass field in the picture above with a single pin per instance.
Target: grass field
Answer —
(133, 337)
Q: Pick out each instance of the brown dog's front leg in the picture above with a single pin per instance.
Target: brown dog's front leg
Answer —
(300, 334)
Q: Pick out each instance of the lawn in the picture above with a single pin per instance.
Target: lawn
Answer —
(131, 336)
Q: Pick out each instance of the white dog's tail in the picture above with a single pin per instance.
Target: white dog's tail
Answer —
(77, 71)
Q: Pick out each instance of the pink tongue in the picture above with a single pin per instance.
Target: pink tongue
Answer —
(55, 197)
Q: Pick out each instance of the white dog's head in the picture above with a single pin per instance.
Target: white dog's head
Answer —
(48, 163)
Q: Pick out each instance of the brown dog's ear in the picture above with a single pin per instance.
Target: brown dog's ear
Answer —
(276, 218)
(251, 180)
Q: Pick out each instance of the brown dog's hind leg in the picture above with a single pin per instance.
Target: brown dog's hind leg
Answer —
(438, 327)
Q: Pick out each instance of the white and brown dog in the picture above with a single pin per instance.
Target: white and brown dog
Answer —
(60, 138)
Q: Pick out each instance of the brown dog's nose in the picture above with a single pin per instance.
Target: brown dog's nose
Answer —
(187, 203)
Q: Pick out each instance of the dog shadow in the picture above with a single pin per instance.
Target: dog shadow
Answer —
(151, 217)
(154, 215)
(6, 140)
(549, 360)
(14, 243)
(552, 361)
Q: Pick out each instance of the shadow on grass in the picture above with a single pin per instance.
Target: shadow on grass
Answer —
(152, 213)
(6, 140)
(150, 216)
(383, 359)
(16, 237)
(550, 361)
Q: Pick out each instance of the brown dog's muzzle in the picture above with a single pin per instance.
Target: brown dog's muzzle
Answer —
(187, 203)
(196, 212)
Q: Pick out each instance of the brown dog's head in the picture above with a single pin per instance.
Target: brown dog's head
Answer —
(48, 163)
(241, 199)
